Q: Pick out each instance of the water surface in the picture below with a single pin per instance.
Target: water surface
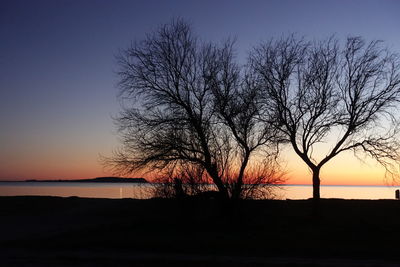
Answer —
(142, 191)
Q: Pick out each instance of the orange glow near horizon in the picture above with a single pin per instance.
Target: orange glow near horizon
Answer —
(345, 169)
(334, 173)
(52, 167)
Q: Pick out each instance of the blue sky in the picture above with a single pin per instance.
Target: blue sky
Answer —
(57, 79)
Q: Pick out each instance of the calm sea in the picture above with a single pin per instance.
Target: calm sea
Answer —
(142, 191)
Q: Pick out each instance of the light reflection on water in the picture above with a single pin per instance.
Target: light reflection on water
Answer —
(142, 191)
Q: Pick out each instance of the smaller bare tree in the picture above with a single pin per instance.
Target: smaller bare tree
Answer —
(323, 93)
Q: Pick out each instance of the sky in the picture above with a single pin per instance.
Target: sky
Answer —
(58, 83)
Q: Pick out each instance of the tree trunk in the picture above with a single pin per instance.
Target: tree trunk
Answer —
(212, 171)
(238, 187)
(316, 183)
(316, 193)
(222, 190)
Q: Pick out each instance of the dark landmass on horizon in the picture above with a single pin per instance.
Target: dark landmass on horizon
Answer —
(56, 231)
(93, 180)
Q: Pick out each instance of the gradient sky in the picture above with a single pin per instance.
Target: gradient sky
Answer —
(57, 79)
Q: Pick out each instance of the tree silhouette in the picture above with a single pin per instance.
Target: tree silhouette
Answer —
(186, 102)
(323, 92)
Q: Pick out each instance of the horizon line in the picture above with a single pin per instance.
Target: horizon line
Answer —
(285, 184)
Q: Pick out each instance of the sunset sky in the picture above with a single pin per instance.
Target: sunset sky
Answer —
(57, 72)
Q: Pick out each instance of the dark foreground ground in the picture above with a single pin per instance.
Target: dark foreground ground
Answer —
(53, 231)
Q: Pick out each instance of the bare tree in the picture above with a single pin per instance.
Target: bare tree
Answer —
(323, 92)
(184, 103)
(237, 103)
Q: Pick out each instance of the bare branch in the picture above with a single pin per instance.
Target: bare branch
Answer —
(316, 90)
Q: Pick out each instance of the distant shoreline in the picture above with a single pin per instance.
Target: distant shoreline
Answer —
(90, 180)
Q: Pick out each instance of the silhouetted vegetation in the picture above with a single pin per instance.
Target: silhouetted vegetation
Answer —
(191, 112)
(188, 106)
(321, 92)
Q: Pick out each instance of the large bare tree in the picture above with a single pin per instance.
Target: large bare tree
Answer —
(186, 102)
(325, 92)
